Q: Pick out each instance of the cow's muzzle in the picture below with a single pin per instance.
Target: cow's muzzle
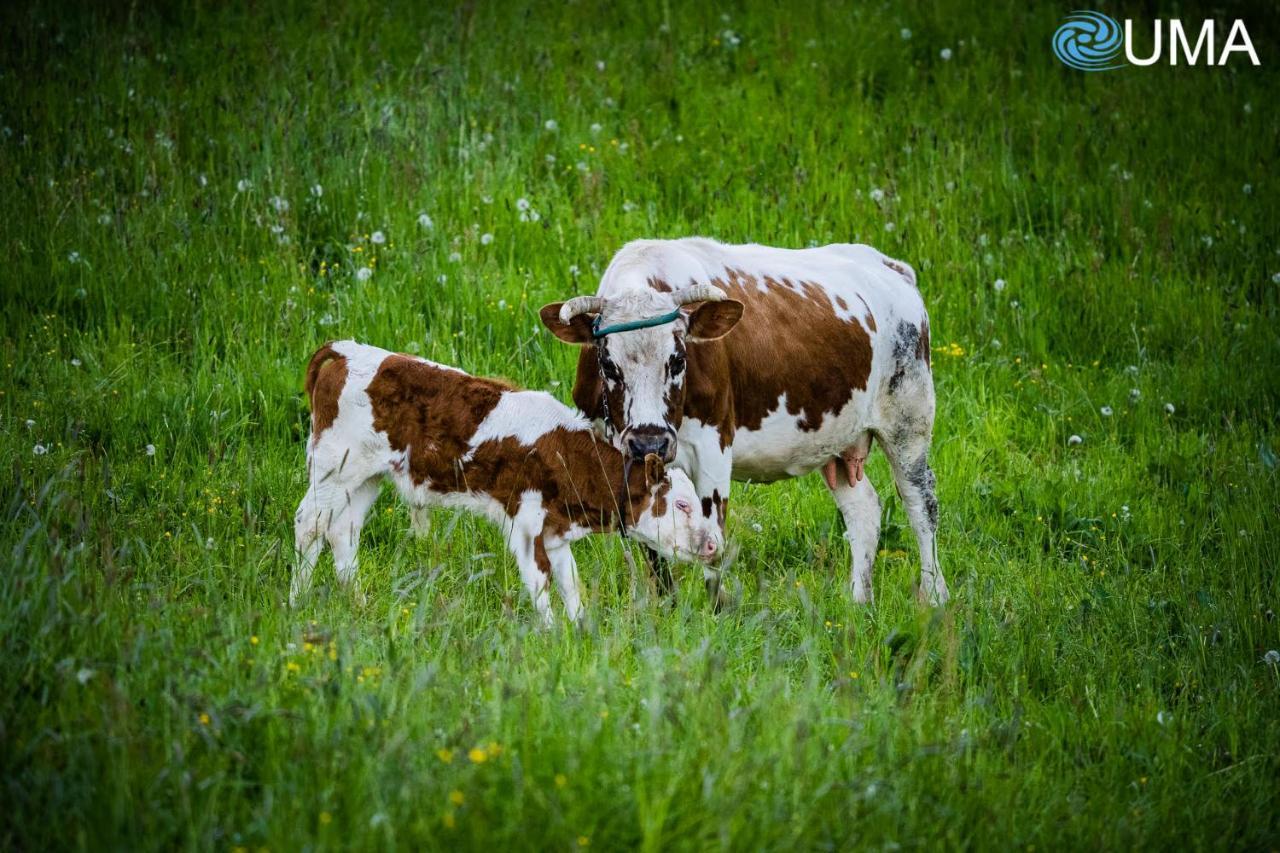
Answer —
(640, 441)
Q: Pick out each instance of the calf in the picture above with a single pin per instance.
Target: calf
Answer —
(521, 458)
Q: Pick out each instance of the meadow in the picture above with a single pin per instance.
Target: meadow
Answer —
(197, 195)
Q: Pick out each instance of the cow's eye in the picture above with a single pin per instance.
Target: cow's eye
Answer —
(684, 506)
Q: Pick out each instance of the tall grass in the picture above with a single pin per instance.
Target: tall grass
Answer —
(189, 196)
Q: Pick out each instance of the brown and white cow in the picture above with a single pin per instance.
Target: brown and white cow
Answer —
(748, 362)
(521, 458)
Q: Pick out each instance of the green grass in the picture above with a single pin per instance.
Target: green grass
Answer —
(1098, 679)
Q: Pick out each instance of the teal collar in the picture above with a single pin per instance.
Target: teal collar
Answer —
(648, 322)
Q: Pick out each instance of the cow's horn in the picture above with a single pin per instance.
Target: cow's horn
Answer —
(581, 305)
(698, 293)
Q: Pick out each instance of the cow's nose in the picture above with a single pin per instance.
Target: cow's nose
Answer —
(641, 446)
(708, 549)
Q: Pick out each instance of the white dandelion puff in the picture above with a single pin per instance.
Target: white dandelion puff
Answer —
(208, 544)
(278, 204)
(998, 285)
(905, 33)
(486, 238)
(377, 238)
(551, 125)
(877, 194)
(150, 450)
(75, 362)
(573, 271)
(1075, 441)
(73, 257)
(890, 227)
(1105, 411)
(945, 53)
(455, 257)
(1272, 657)
(596, 128)
(39, 450)
(424, 221)
(84, 675)
(522, 204)
(1169, 408)
(30, 423)
(1135, 395)
(599, 64)
(243, 185)
(317, 191)
(364, 274)
(1248, 189)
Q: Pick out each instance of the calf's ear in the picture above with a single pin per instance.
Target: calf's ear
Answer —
(713, 320)
(576, 331)
(654, 469)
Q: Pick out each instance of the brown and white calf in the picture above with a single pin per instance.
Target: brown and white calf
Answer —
(755, 363)
(521, 458)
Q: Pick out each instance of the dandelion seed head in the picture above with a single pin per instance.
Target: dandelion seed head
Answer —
(364, 274)
(39, 450)
(1075, 441)
(377, 238)
(486, 238)
(424, 221)
(945, 53)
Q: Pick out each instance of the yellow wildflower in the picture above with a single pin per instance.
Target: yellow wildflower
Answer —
(445, 755)
(457, 798)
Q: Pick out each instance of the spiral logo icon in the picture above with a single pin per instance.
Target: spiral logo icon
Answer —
(1088, 41)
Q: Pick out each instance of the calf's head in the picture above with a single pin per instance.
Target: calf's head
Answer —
(670, 523)
(636, 356)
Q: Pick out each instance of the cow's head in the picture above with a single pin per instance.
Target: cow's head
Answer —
(638, 343)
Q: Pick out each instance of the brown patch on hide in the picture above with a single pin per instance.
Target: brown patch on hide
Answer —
(326, 377)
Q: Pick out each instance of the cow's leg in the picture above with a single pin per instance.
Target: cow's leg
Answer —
(565, 571)
(909, 457)
(309, 525)
(419, 520)
(860, 506)
(535, 569)
(344, 533)
(710, 467)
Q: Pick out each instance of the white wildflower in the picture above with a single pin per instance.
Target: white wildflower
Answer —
(364, 274)
(599, 64)
(104, 219)
(486, 238)
(455, 257)
(945, 53)
(243, 185)
(581, 165)
(877, 194)
(905, 33)
(573, 271)
(1248, 107)
(1272, 657)
(208, 544)
(377, 238)
(1074, 441)
(757, 527)
(551, 125)
(150, 450)
(73, 257)
(1105, 411)
(1164, 718)
(1135, 395)
(628, 206)
(889, 226)
(317, 191)
(1248, 189)
(84, 675)
(442, 278)
(278, 204)
(1275, 279)
(999, 285)
(75, 362)
(39, 450)
(424, 221)
(31, 423)
(522, 204)
(950, 186)
(1169, 408)
(551, 159)
(596, 128)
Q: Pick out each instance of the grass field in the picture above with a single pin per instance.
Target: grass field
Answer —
(194, 199)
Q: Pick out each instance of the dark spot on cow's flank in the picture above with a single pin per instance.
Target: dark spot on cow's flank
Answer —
(922, 346)
(706, 507)
(906, 343)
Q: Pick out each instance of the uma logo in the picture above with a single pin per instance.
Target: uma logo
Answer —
(1092, 41)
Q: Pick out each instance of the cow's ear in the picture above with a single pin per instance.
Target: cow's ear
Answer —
(713, 320)
(654, 470)
(577, 331)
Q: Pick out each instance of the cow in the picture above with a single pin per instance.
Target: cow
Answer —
(523, 459)
(747, 362)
